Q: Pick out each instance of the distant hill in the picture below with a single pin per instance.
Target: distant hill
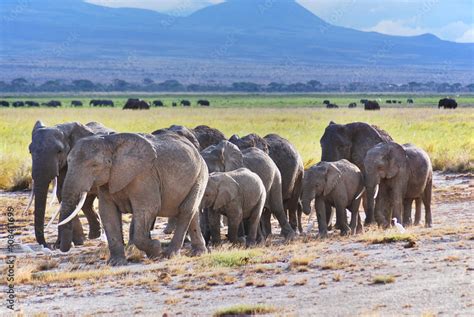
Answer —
(258, 32)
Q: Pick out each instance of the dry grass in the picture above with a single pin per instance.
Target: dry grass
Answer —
(281, 282)
(447, 137)
(245, 310)
(336, 262)
(452, 258)
(300, 261)
(383, 237)
(383, 279)
(301, 282)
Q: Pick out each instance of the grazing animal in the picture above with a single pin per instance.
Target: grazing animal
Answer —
(332, 106)
(32, 103)
(371, 105)
(76, 103)
(158, 103)
(410, 100)
(4, 103)
(17, 104)
(101, 103)
(136, 104)
(447, 103)
(185, 103)
(352, 105)
(174, 104)
(326, 102)
(53, 104)
(204, 103)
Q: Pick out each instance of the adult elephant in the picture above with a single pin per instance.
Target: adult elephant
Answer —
(208, 136)
(226, 157)
(185, 103)
(4, 103)
(447, 103)
(76, 103)
(203, 103)
(290, 165)
(351, 142)
(49, 150)
(148, 175)
(399, 174)
(371, 105)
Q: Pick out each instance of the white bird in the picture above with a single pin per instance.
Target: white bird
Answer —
(398, 226)
(46, 250)
(311, 222)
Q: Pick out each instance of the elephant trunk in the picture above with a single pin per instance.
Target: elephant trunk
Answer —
(40, 190)
(306, 197)
(372, 186)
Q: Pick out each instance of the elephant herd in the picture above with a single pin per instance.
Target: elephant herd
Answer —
(195, 176)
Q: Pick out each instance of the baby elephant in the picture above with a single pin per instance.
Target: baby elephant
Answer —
(240, 195)
(339, 184)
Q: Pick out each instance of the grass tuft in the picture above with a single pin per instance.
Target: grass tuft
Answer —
(380, 237)
(245, 310)
(383, 279)
(230, 258)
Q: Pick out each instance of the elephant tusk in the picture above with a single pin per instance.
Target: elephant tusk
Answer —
(55, 189)
(310, 223)
(32, 195)
(376, 191)
(52, 218)
(76, 211)
(360, 194)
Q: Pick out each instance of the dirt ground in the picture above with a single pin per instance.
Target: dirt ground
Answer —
(424, 272)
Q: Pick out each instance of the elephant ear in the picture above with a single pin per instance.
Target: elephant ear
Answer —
(228, 189)
(395, 158)
(333, 176)
(132, 154)
(232, 156)
(74, 131)
(38, 125)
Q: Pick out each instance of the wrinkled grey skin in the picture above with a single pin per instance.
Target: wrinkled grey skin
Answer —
(337, 184)
(149, 175)
(351, 142)
(208, 136)
(49, 149)
(226, 157)
(239, 195)
(291, 168)
(404, 173)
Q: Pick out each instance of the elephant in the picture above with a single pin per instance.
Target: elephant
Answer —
(76, 103)
(226, 156)
(250, 140)
(240, 195)
(363, 101)
(182, 131)
(371, 105)
(203, 103)
(447, 103)
(185, 103)
(339, 184)
(101, 103)
(410, 100)
(4, 103)
(208, 136)
(388, 101)
(158, 103)
(396, 175)
(332, 106)
(352, 105)
(326, 102)
(146, 175)
(32, 103)
(49, 149)
(136, 104)
(174, 104)
(351, 142)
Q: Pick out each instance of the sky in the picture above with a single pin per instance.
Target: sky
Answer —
(451, 20)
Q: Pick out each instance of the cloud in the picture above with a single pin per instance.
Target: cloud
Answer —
(457, 31)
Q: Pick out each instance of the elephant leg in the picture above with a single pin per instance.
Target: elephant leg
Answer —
(77, 232)
(418, 211)
(356, 224)
(142, 223)
(112, 221)
(300, 224)
(342, 216)
(427, 204)
(292, 218)
(233, 229)
(170, 225)
(369, 216)
(215, 227)
(253, 226)
(92, 217)
(204, 223)
(266, 222)
(198, 245)
(397, 206)
(329, 213)
(380, 207)
(407, 203)
(276, 207)
(321, 216)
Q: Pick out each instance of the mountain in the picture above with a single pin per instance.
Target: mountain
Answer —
(257, 32)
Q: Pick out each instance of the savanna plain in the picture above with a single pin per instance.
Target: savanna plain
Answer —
(423, 272)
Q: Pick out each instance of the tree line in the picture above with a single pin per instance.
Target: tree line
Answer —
(148, 85)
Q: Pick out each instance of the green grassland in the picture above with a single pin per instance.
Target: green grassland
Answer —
(447, 135)
(264, 100)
